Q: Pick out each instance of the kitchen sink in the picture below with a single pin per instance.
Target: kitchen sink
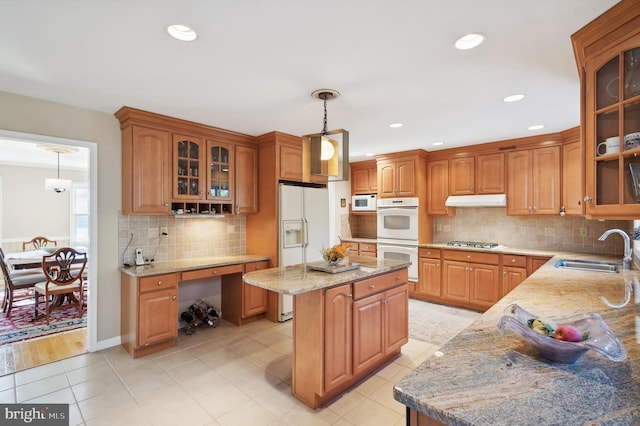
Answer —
(587, 265)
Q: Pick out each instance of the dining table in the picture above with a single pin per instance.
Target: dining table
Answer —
(32, 259)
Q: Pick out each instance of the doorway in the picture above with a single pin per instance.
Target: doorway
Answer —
(9, 139)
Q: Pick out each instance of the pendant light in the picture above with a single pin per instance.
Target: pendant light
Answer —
(58, 185)
(325, 155)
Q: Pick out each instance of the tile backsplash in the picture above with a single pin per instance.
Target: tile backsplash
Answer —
(491, 224)
(187, 237)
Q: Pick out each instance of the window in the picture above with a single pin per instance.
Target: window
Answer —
(80, 214)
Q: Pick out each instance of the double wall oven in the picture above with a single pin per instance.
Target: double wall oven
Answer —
(398, 231)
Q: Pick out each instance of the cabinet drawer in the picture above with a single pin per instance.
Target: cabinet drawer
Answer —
(367, 247)
(380, 283)
(472, 256)
(256, 266)
(429, 252)
(158, 282)
(368, 253)
(212, 272)
(514, 260)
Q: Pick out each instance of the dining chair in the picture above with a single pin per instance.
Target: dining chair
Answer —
(61, 282)
(17, 281)
(38, 242)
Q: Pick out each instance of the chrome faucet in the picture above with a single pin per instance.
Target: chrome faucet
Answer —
(628, 257)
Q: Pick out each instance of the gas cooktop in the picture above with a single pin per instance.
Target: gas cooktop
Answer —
(474, 244)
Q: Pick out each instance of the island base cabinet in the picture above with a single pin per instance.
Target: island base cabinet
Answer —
(338, 341)
(416, 418)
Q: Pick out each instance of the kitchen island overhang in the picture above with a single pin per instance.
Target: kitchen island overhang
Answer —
(346, 325)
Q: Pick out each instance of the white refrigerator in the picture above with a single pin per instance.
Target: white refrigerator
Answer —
(304, 230)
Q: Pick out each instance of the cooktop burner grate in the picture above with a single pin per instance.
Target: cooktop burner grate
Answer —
(474, 244)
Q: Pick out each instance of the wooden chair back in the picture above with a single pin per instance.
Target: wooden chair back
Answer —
(13, 282)
(68, 267)
(38, 242)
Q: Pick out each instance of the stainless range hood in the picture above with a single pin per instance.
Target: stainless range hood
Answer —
(483, 200)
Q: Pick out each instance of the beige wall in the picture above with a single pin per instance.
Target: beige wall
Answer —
(30, 115)
(29, 209)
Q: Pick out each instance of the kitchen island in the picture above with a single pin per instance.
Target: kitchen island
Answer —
(346, 325)
(482, 378)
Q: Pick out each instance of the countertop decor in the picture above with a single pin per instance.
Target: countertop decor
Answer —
(484, 378)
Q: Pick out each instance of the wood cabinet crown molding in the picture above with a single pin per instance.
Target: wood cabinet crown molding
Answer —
(128, 115)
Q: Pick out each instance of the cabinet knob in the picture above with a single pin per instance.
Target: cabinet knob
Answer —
(372, 286)
(504, 273)
(215, 272)
(428, 252)
(159, 283)
(513, 261)
(349, 295)
(174, 297)
(257, 268)
(468, 256)
(398, 278)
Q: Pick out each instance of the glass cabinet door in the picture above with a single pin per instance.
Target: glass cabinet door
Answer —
(220, 159)
(187, 161)
(614, 144)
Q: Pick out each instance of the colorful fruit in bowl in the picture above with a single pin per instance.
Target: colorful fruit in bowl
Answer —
(333, 255)
(569, 333)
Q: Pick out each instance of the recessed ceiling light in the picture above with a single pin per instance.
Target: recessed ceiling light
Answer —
(514, 98)
(181, 32)
(469, 41)
(437, 143)
(395, 125)
(536, 127)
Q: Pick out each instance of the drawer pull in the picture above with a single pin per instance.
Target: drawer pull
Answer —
(398, 277)
(215, 272)
(513, 261)
(257, 268)
(469, 256)
(350, 295)
(372, 286)
(159, 283)
(174, 298)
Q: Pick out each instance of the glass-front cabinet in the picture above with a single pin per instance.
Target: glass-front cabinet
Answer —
(187, 161)
(220, 176)
(612, 131)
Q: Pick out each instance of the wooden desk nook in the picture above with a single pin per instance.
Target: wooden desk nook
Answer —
(149, 298)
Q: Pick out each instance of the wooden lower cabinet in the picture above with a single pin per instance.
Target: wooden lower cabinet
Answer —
(338, 336)
(514, 271)
(469, 283)
(344, 333)
(429, 285)
(149, 313)
(254, 299)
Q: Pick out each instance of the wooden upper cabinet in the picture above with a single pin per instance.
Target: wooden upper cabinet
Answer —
(189, 171)
(462, 176)
(490, 173)
(534, 181)
(397, 179)
(607, 51)
(572, 196)
(437, 187)
(146, 171)
(364, 177)
(170, 163)
(290, 162)
(246, 176)
(220, 172)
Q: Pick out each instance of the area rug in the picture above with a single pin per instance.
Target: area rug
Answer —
(437, 324)
(21, 327)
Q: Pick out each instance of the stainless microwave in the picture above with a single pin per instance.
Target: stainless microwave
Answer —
(364, 203)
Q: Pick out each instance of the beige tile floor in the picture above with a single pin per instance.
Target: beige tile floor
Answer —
(218, 376)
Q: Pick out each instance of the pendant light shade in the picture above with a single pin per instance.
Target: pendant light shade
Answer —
(325, 155)
(56, 184)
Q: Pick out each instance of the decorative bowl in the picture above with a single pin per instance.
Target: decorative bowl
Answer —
(601, 339)
(334, 254)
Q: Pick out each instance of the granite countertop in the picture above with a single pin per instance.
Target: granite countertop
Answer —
(502, 250)
(297, 279)
(190, 264)
(480, 377)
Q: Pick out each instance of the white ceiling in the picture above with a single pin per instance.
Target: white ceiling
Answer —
(255, 64)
